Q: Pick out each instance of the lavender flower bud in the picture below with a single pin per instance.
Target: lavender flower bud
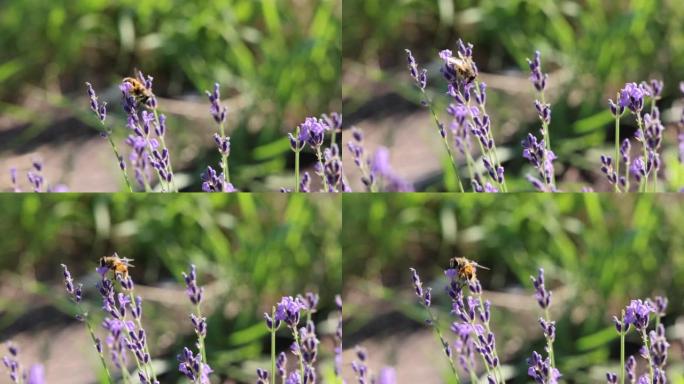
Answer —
(542, 295)
(218, 112)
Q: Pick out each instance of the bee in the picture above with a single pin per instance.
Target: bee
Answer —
(464, 67)
(117, 264)
(140, 93)
(465, 268)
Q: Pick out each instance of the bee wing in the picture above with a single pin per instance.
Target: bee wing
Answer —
(127, 261)
(480, 266)
(456, 62)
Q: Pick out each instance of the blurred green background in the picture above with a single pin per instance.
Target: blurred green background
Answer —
(598, 251)
(250, 250)
(589, 48)
(277, 61)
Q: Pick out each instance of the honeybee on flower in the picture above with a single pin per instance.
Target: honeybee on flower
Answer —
(465, 269)
(138, 90)
(115, 263)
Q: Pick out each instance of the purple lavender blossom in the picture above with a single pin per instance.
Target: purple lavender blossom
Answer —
(281, 364)
(659, 305)
(360, 366)
(338, 337)
(385, 175)
(75, 292)
(611, 378)
(537, 78)
(418, 74)
(638, 169)
(100, 109)
(288, 310)
(215, 182)
(362, 161)
(193, 368)
(630, 369)
(632, 97)
(11, 362)
(294, 378)
(541, 371)
(199, 323)
(313, 131)
(541, 159)
(615, 109)
(332, 169)
(387, 375)
(659, 347)
(35, 374)
(195, 293)
(538, 152)
(637, 313)
(35, 176)
(608, 170)
(218, 111)
(262, 376)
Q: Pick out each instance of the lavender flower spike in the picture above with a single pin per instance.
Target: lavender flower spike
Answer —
(539, 153)
(542, 295)
(200, 368)
(219, 112)
(541, 371)
(35, 374)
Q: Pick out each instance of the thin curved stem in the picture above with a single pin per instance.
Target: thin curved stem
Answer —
(119, 159)
(435, 326)
(440, 128)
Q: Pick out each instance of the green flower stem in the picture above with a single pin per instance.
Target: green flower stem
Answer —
(427, 102)
(224, 158)
(273, 346)
(295, 333)
(549, 342)
(92, 336)
(297, 170)
(438, 332)
(118, 160)
(644, 338)
(202, 348)
(617, 152)
(319, 156)
(622, 349)
(640, 124)
(547, 141)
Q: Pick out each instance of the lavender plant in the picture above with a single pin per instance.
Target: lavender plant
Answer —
(124, 330)
(470, 126)
(149, 156)
(329, 163)
(650, 130)
(289, 311)
(473, 334)
(387, 375)
(544, 370)
(539, 153)
(36, 180)
(100, 110)
(376, 172)
(211, 182)
(469, 121)
(195, 367)
(75, 293)
(637, 316)
(34, 375)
